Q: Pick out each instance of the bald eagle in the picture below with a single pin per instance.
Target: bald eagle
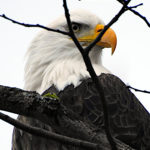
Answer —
(55, 63)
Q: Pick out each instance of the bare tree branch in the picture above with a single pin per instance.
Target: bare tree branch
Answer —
(141, 4)
(141, 16)
(50, 135)
(31, 104)
(93, 76)
(33, 25)
(135, 12)
(138, 90)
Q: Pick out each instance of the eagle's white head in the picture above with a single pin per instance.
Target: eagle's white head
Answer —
(53, 58)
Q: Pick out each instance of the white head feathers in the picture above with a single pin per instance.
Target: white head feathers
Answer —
(54, 59)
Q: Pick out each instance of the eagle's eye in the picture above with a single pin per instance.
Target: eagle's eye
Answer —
(76, 27)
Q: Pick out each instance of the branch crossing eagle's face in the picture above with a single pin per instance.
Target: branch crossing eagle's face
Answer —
(87, 27)
(53, 58)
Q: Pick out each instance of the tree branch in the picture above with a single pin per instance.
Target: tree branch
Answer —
(138, 90)
(31, 104)
(131, 7)
(50, 135)
(93, 76)
(33, 25)
(135, 12)
(141, 16)
(89, 66)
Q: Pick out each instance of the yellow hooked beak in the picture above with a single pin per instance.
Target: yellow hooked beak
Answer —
(108, 40)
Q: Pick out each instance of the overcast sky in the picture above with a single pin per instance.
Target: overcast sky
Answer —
(130, 61)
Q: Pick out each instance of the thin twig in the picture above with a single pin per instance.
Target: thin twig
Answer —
(136, 13)
(33, 25)
(138, 90)
(131, 7)
(141, 16)
(47, 134)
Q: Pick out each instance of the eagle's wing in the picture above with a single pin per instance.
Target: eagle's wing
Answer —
(129, 120)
